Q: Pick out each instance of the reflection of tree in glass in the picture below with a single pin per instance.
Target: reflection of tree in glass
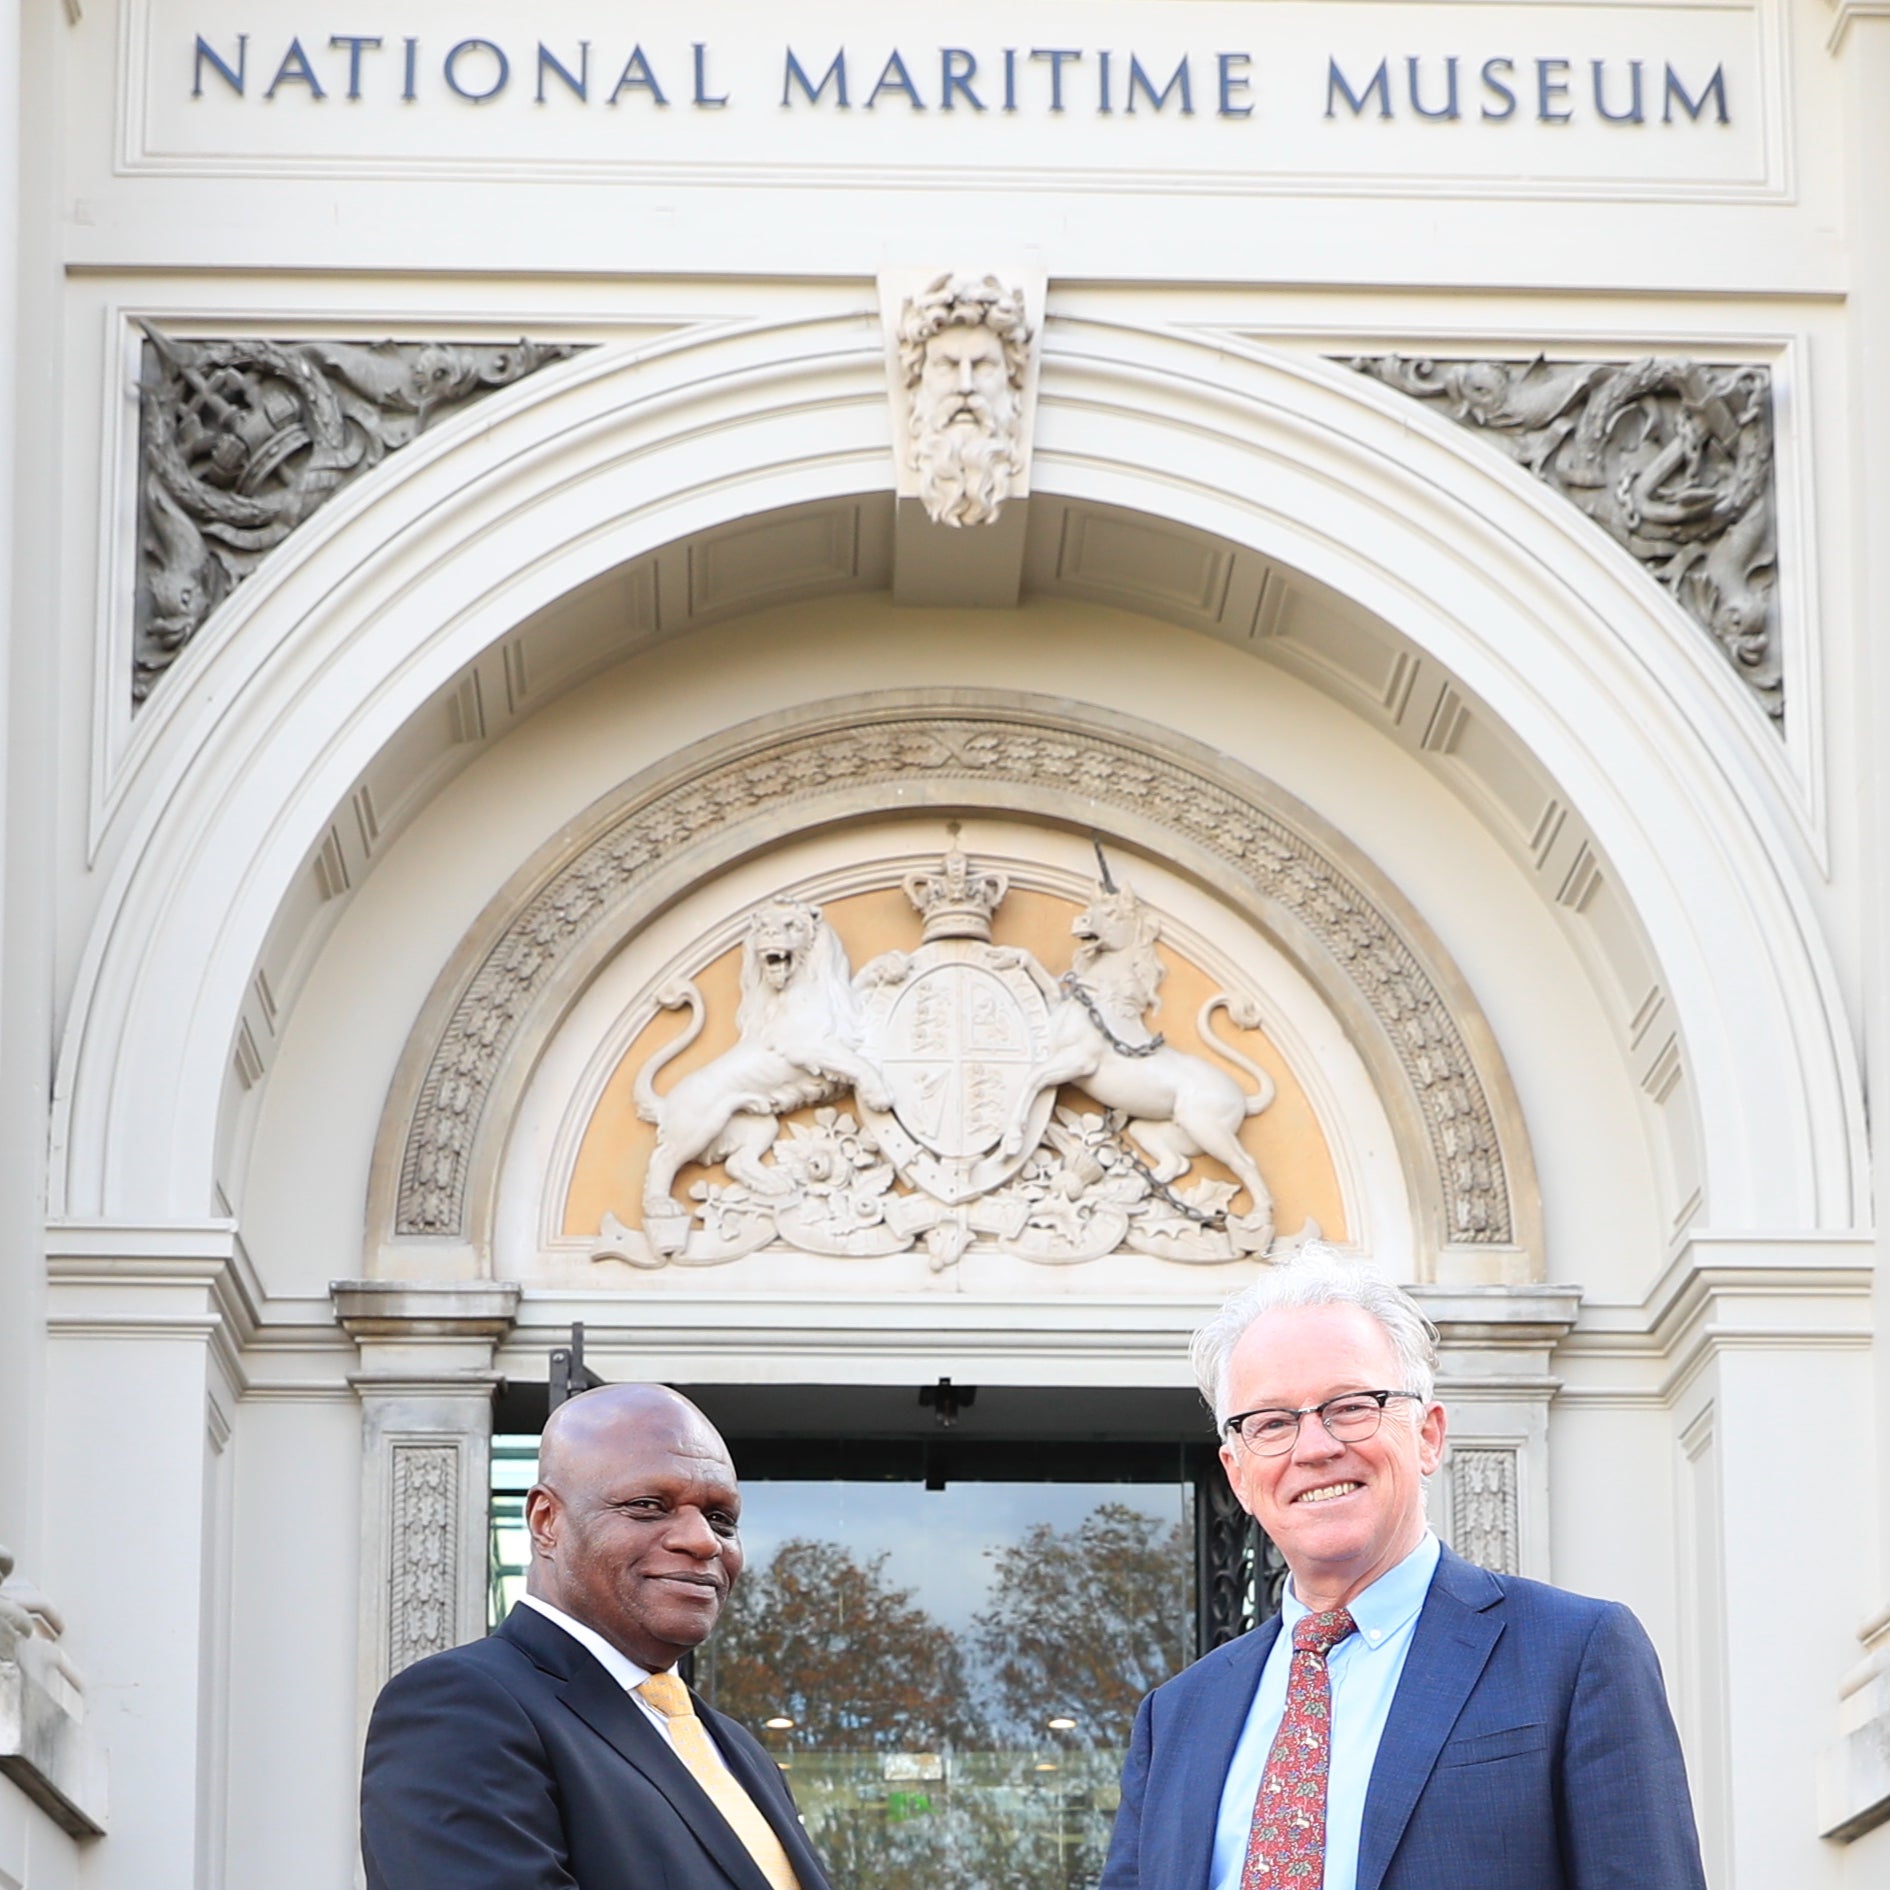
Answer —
(1087, 1620)
(964, 1840)
(831, 1643)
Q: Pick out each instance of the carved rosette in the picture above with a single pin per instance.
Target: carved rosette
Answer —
(1484, 1526)
(1672, 458)
(423, 1574)
(241, 441)
(1275, 860)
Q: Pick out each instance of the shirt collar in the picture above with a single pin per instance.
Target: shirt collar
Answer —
(1383, 1608)
(617, 1664)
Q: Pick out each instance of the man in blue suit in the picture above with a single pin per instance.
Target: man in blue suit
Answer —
(1408, 1721)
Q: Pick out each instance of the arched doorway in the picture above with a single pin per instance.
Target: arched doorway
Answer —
(303, 847)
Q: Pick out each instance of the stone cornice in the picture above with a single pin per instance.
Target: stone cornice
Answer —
(1720, 1294)
(180, 1279)
(399, 1309)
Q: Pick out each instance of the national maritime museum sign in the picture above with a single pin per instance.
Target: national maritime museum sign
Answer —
(1042, 78)
(1228, 91)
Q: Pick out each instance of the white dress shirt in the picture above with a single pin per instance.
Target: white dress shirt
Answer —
(617, 1664)
(1364, 1669)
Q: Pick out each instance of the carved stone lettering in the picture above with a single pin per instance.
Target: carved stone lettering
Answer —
(1483, 1523)
(1273, 859)
(423, 1561)
(1672, 459)
(240, 441)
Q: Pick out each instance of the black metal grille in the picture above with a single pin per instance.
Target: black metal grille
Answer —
(1239, 1571)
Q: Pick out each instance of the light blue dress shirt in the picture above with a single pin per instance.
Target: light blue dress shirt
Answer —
(1364, 1668)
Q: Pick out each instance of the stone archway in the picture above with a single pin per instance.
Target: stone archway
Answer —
(320, 663)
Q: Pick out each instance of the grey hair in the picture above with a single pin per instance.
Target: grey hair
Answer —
(1317, 1275)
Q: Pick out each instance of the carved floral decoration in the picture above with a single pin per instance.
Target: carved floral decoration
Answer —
(1672, 458)
(241, 441)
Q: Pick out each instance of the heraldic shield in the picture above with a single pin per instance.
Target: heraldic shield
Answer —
(956, 1040)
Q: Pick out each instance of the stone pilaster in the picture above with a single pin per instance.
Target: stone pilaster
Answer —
(146, 1326)
(1490, 1502)
(425, 1385)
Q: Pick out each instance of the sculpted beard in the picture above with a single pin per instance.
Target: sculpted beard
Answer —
(965, 473)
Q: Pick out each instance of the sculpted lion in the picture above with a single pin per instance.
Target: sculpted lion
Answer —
(1179, 1105)
(800, 1043)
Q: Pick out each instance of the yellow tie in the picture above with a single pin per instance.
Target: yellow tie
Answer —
(697, 1751)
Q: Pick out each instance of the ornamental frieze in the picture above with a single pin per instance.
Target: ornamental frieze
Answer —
(239, 442)
(1672, 458)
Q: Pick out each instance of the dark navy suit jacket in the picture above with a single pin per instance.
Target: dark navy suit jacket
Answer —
(1529, 1747)
(518, 1763)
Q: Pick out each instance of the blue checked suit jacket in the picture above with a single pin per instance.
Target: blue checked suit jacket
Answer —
(1529, 1747)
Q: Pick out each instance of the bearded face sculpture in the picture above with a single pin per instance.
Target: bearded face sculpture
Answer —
(963, 347)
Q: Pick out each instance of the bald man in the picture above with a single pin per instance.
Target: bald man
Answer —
(562, 1753)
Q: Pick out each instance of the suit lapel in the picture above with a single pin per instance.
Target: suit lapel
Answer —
(609, 1711)
(1460, 1623)
(1205, 1731)
(767, 1794)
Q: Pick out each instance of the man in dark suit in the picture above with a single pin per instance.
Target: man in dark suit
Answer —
(1408, 1721)
(562, 1753)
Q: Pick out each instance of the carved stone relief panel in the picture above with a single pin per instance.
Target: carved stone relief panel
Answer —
(1384, 978)
(241, 441)
(964, 354)
(1672, 458)
(423, 1561)
(1484, 1525)
(962, 1087)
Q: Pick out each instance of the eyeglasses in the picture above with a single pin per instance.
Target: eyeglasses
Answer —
(1351, 1417)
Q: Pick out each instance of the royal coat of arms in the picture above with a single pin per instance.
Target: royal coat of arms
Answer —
(953, 1056)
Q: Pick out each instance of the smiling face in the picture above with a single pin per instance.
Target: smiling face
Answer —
(634, 1521)
(1342, 1514)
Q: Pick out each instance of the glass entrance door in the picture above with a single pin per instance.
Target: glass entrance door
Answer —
(948, 1676)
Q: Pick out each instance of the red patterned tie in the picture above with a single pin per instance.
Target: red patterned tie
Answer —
(1287, 1847)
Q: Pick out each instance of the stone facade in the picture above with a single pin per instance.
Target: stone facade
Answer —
(485, 518)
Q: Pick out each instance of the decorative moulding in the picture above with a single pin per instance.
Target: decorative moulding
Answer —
(240, 441)
(450, 1103)
(1673, 458)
